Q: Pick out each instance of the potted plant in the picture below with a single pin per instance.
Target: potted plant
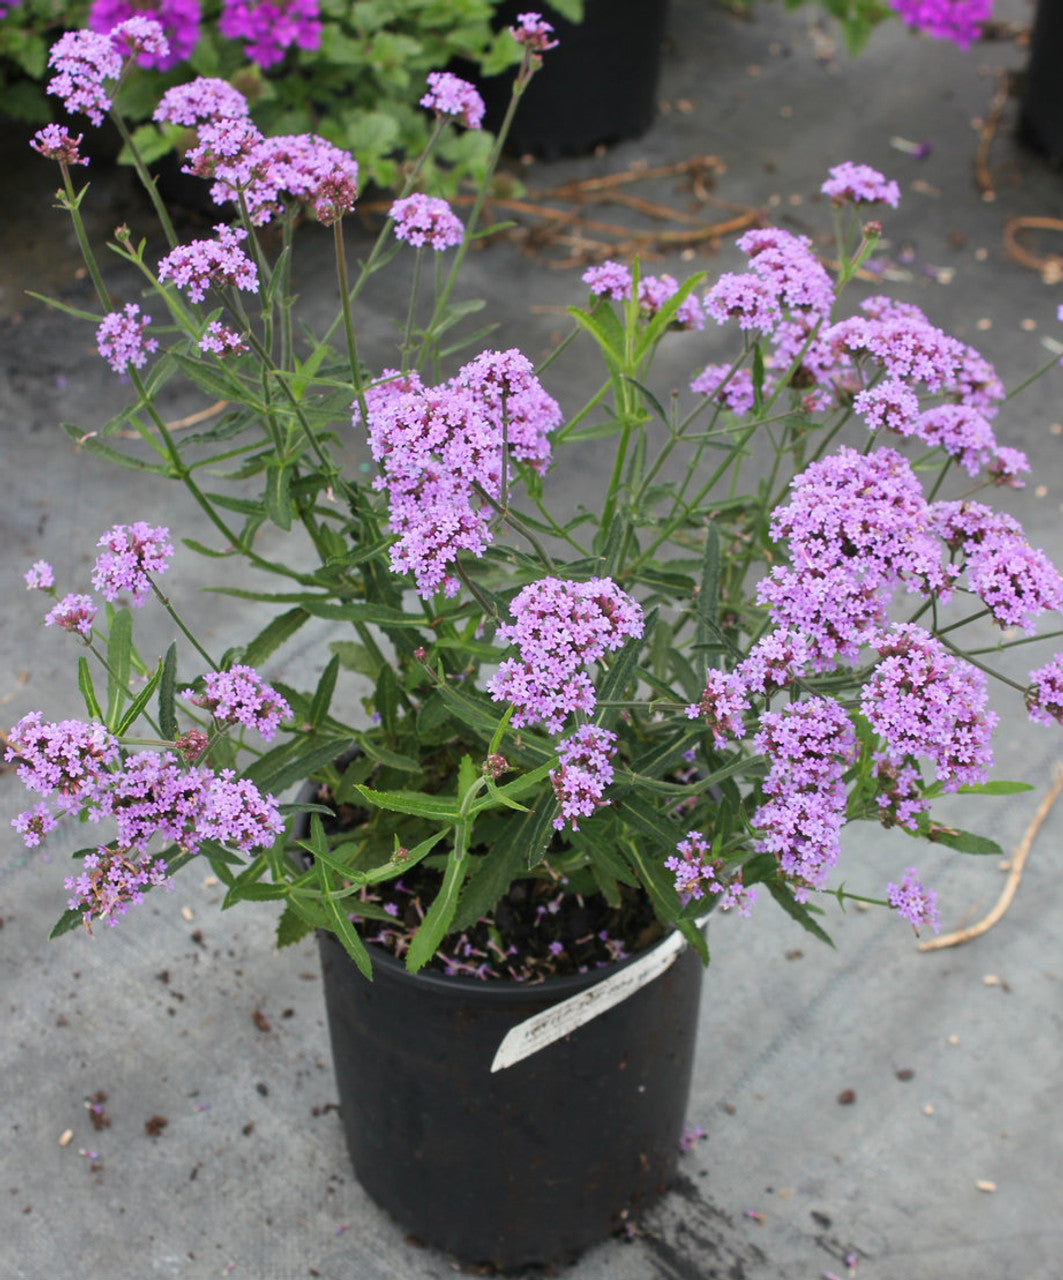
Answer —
(553, 742)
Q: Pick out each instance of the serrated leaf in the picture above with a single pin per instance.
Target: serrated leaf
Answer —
(119, 660)
(326, 687)
(797, 910)
(964, 841)
(88, 693)
(417, 803)
(139, 702)
(292, 927)
(273, 635)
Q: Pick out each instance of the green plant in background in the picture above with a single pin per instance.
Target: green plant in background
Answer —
(353, 83)
(956, 20)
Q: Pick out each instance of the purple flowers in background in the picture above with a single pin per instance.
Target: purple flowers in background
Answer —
(39, 576)
(955, 20)
(916, 904)
(421, 219)
(1044, 695)
(178, 21)
(269, 28)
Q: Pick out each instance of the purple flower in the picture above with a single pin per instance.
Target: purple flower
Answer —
(1007, 465)
(121, 340)
(533, 32)
(201, 100)
(85, 62)
(899, 796)
(73, 613)
(421, 219)
(955, 20)
(170, 38)
(40, 576)
(559, 627)
(55, 142)
(34, 824)
(962, 432)
(777, 660)
(111, 882)
(808, 745)
(834, 611)
(583, 773)
(221, 340)
(270, 27)
(130, 553)
(745, 298)
(1015, 581)
(722, 704)
(1044, 694)
(609, 280)
(449, 95)
(916, 904)
(69, 757)
(789, 266)
(889, 405)
(202, 264)
(859, 183)
(923, 701)
(903, 341)
(697, 873)
(240, 695)
(732, 388)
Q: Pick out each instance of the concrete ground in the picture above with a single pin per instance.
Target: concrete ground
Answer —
(871, 1110)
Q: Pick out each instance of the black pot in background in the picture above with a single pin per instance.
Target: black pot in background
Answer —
(1042, 108)
(533, 1163)
(599, 86)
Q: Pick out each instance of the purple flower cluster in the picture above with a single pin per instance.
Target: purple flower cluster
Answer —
(924, 702)
(732, 388)
(1044, 694)
(559, 627)
(264, 172)
(201, 264)
(722, 704)
(956, 20)
(148, 795)
(178, 22)
(916, 904)
(437, 446)
(899, 796)
(68, 757)
(449, 95)
(121, 339)
(130, 553)
(56, 142)
(808, 745)
(221, 340)
(73, 613)
(889, 405)
(860, 184)
(421, 219)
(533, 32)
(697, 873)
(110, 882)
(85, 62)
(785, 277)
(40, 576)
(200, 101)
(269, 28)
(1015, 581)
(903, 341)
(613, 280)
(583, 773)
(241, 696)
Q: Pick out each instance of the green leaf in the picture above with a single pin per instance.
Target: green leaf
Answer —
(272, 636)
(280, 768)
(438, 808)
(657, 881)
(623, 669)
(98, 449)
(433, 928)
(119, 659)
(999, 788)
(67, 921)
(326, 687)
(167, 690)
(709, 588)
(140, 702)
(963, 841)
(277, 495)
(798, 911)
(88, 693)
(292, 927)
(215, 381)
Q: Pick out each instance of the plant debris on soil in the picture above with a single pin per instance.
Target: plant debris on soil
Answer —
(539, 929)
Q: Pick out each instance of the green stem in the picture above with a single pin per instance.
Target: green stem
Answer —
(164, 601)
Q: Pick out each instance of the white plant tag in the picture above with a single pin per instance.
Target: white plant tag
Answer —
(560, 1020)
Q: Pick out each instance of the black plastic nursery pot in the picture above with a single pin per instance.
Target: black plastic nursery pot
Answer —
(525, 1165)
(597, 87)
(1042, 108)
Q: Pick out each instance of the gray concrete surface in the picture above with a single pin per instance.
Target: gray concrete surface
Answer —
(192, 1017)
